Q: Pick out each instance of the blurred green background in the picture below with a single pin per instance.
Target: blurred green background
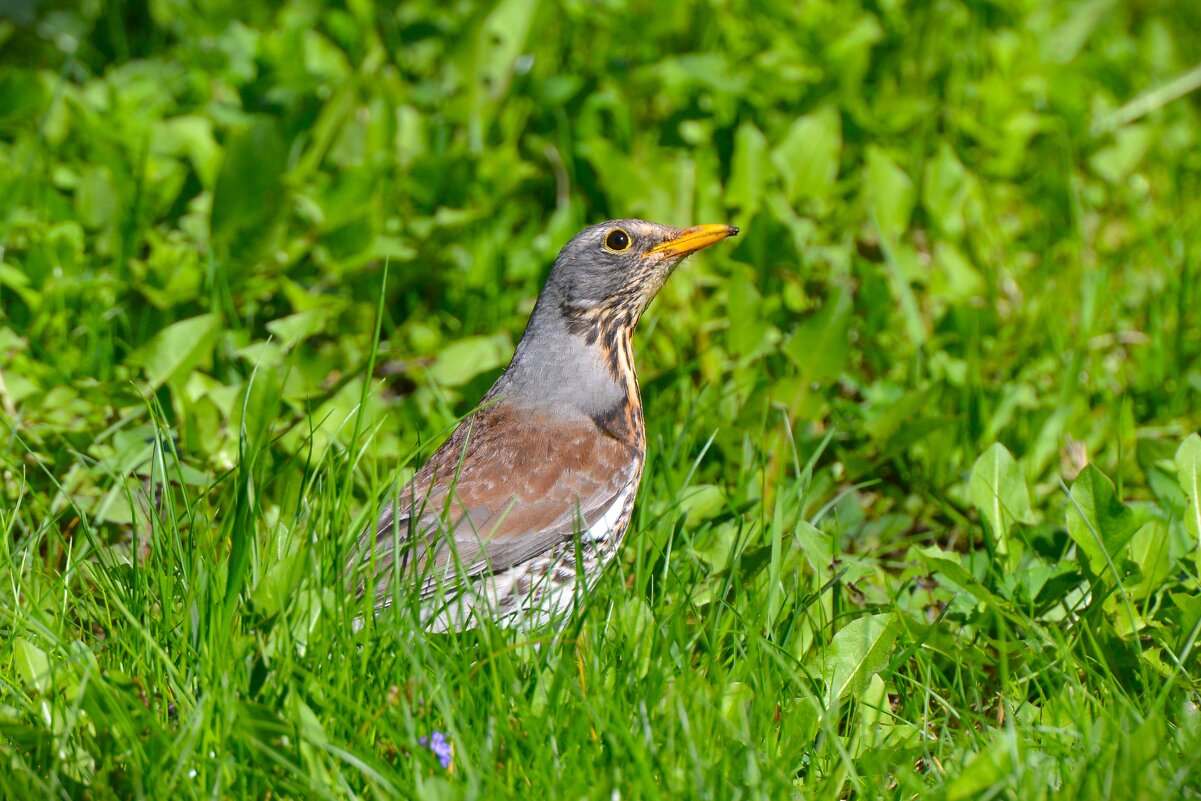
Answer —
(964, 222)
(951, 233)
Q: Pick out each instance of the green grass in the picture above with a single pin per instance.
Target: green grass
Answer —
(920, 513)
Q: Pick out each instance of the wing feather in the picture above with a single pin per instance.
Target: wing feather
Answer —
(505, 487)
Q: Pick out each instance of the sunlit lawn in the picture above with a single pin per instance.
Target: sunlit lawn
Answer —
(920, 514)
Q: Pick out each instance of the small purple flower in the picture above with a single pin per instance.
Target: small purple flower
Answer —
(440, 746)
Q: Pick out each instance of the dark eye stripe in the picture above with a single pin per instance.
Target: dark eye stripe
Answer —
(617, 240)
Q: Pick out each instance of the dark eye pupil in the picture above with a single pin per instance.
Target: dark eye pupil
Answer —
(618, 240)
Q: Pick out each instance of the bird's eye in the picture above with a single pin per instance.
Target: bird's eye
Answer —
(617, 241)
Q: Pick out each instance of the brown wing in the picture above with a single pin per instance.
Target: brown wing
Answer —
(507, 485)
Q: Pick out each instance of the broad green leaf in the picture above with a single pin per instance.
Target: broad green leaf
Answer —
(943, 190)
(175, 350)
(274, 590)
(999, 491)
(21, 89)
(956, 277)
(1150, 549)
(849, 53)
(333, 421)
(817, 546)
(17, 281)
(308, 723)
(1102, 524)
(1154, 658)
(464, 359)
(800, 719)
(501, 39)
(820, 345)
(808, 156)
(96, 198)
(945, 562)
(992, 765)
(249, 192)
(904, 267)
(751, 332)
(890, 194)
(191, 137)
(736, 700)
(858, 651)
(32, 664)
(1115, 162)
(1189, 605)
(749, 171)
(701, 502)
(296, 328)
(1188, 469)
(873, 723)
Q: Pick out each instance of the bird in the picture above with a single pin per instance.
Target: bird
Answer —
(516, 515)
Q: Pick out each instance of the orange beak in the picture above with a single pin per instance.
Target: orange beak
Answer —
(693, 239)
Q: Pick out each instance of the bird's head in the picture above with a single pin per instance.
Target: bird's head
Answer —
(610, 272)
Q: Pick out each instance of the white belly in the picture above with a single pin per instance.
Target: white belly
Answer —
(548, 601)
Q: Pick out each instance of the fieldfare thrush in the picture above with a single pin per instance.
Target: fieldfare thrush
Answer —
(527, 501)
